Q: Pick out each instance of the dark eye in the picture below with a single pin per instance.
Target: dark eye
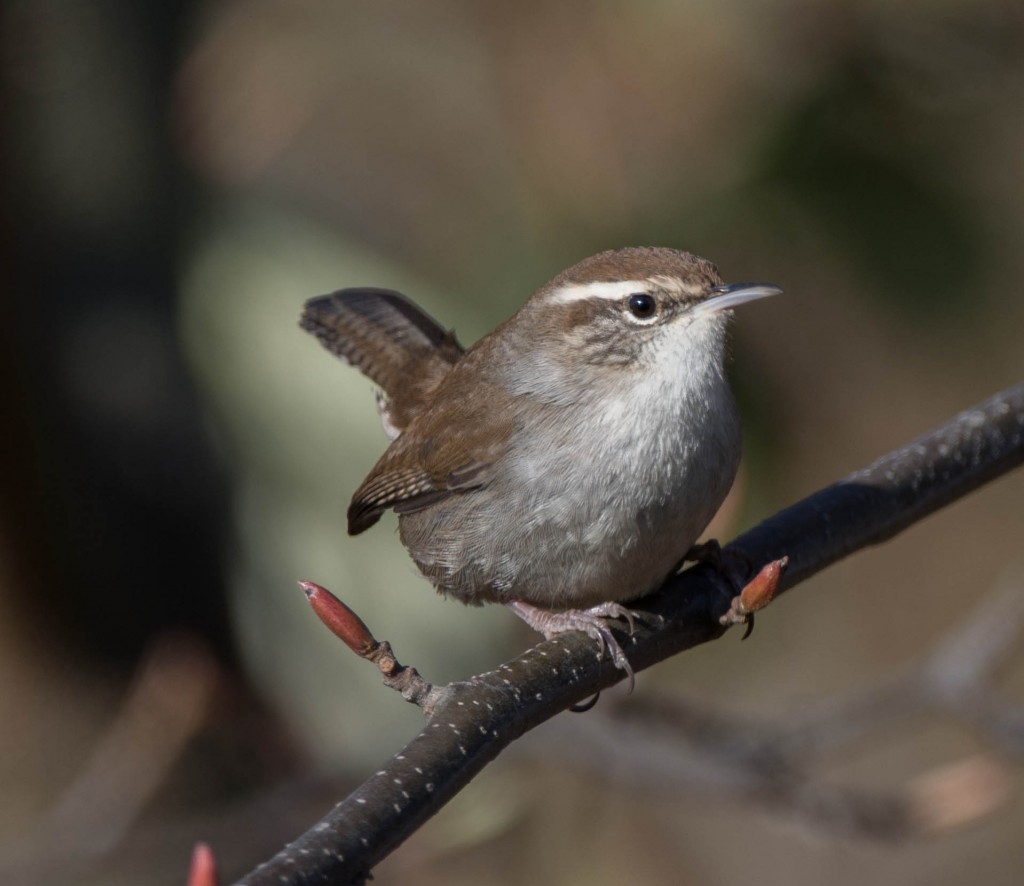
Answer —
(642, 305)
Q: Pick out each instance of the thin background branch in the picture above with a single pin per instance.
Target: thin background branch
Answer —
(475, 720)
(670, 746)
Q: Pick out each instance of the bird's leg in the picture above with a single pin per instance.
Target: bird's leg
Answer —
(596, 622)
(730, 563)
(709, 552)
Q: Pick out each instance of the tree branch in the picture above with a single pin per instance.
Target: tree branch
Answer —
(473, 721)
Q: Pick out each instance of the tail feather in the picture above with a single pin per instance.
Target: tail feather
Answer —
(390, 340)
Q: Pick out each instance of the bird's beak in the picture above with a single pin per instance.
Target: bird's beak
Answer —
(730, 295)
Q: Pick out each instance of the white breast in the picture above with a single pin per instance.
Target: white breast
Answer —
(616, 489)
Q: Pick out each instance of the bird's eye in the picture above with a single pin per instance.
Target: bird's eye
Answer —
(642, 305)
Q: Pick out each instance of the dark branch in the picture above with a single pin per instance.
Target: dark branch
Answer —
(473, 721)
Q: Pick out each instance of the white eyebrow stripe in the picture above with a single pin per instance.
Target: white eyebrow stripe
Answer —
(611, 291)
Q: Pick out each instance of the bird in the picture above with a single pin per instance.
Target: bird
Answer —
(565, 463)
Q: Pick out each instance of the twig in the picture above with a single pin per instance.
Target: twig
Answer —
(479, 718)
(969, 654)
(164, 708)
(670, 749)
(349, 627)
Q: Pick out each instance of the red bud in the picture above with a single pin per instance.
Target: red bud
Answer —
(203, 869)
(341, 620)
(761, 589)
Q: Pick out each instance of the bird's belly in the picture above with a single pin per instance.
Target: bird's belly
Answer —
(576, 526)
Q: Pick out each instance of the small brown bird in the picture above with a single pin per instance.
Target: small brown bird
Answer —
(565, 463)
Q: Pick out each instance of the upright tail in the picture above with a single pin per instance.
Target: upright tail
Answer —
(391, 341)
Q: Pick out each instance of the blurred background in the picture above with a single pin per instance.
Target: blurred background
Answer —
(180, 176)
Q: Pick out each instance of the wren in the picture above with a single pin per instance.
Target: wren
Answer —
(565, 463)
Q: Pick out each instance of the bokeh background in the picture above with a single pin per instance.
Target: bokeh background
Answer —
(180, 176)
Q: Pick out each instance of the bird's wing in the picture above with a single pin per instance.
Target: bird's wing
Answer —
(432, 463)
(391, 341)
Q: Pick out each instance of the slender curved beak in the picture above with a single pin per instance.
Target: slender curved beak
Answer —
(730, 295)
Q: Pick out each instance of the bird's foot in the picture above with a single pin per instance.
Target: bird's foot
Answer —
(596, 622)
(728, 562)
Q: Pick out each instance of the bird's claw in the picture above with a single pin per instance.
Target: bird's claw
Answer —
(596, 622)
